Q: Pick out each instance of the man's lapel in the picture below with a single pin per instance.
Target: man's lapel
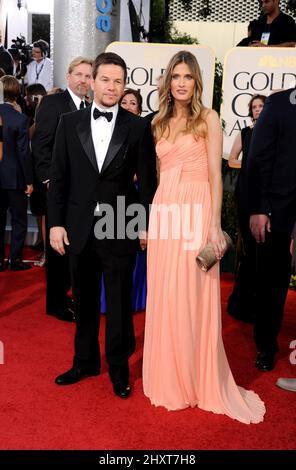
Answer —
(69, 100)
(84, 134)
(121, 130)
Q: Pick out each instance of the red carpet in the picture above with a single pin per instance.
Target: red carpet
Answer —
(37, 414)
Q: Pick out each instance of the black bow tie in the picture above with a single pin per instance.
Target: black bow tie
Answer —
(105, 114)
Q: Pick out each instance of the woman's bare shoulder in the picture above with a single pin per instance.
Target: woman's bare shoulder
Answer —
(209, 114)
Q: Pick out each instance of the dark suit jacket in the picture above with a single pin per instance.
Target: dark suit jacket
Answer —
(16, 166)
(76, 185)
(149, 117)
(272, 162)
(48, 115)
(6, 61)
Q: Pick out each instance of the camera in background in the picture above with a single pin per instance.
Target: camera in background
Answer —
(22, 55)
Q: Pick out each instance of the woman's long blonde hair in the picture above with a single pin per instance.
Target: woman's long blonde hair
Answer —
(195, 123)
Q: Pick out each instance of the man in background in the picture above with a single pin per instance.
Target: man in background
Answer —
(16, 176)
(40, 70)
(58, 303)
(272, 206)
(273, 28)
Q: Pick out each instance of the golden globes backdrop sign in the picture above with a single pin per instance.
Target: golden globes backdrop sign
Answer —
(146, 62)
(249, 71)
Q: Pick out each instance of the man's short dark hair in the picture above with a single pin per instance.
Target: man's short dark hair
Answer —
(35, 89)
(43, 46)
(109, 58)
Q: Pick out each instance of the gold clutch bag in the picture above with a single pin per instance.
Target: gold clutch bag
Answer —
(207, 258)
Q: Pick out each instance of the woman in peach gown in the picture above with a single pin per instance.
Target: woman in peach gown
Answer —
(184, 362)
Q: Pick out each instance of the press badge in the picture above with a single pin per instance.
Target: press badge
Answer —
(265, 38)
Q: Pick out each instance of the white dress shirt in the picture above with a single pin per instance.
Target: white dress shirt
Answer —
(40, 72)
(101, 131)
(75, 98)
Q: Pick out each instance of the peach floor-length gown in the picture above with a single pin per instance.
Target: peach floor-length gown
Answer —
(184, 360)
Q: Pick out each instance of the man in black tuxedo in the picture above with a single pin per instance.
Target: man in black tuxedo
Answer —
(16, 174)
(272, 205)
(49, 112)
(97, 153)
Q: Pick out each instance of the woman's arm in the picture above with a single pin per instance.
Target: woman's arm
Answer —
(233, 161)
(214, 151)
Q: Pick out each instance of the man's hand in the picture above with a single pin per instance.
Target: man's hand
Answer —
(257, 44)
(58, 238)
(258, 224)
(143, 237)
(29, 189)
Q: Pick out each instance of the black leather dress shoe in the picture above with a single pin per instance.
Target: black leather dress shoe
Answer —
(65, 314)
(265, 361)
(18, 265)
(75, 375)
(121, 389)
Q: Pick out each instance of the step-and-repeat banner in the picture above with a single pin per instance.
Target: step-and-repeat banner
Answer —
(249, 71)
(146, 62)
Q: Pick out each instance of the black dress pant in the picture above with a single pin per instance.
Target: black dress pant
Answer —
(58, 281)
(241, 302)
(17, 201)
(273, 271)
(86, 270)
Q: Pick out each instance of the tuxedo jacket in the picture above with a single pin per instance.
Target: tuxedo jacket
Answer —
(76, 184)
(272, 162)
(16, 165)
(48, 115)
